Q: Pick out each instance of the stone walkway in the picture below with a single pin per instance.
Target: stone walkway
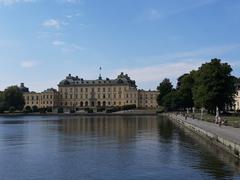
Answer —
(230, 133)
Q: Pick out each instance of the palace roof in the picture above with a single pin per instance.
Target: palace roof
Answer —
(122, 79)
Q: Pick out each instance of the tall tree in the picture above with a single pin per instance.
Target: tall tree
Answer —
(164, 88)
(214, 85)
(13, 97)
(184, 88)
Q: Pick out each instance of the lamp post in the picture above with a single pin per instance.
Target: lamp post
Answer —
(202, 113)
(193, 111)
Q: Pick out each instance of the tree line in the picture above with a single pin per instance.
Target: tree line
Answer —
(211, 86)
(11, 99)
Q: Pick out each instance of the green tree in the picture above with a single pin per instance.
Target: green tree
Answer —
(164, 88)
(184, 87)
(13, 97)
(2, 103)
(214, 86)
(171, 101)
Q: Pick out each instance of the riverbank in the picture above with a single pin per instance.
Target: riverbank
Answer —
(225, 137)
(120, 113)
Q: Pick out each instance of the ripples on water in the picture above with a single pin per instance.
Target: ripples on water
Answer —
(111, 147)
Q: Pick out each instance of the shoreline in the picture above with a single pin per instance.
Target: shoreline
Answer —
(133, 113)
(213, 133)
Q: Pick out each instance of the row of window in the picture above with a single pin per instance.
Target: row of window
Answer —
(99, 89)
(39, 97)
(43, 102)
(98, 103)
(99, 96)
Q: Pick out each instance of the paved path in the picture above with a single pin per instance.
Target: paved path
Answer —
(227, 132)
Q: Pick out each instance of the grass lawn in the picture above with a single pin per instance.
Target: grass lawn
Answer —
(231, 120)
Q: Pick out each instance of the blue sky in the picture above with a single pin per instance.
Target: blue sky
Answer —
(41, 41)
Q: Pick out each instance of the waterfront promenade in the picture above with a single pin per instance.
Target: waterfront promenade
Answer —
(226, 135)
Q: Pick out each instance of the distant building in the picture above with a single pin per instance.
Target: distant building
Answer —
(23, 88)
(237, 97)
(147, 99)
(75, 93)
(47, 98)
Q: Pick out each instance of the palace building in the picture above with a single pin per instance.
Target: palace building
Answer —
(237, 97)
(48, 98)
(76, 93)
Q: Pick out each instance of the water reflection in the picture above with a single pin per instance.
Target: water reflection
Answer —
(121, 127)
(108, 147)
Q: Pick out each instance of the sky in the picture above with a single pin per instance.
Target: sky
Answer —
(42, 41)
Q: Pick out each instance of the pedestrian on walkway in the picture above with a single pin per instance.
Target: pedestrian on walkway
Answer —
(219, 121)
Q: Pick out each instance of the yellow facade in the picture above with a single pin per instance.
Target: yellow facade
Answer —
(74, 92)
(147, 99)
(48, 98)
(237, 100)
(78, 93)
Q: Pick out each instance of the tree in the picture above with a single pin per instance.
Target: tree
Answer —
(171, 101)
(214, 86)
(184, 87)
(13, 97)
(164, 88)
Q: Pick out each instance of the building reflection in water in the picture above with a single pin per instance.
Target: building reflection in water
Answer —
(121, 127)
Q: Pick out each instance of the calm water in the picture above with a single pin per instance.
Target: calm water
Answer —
(134, 147)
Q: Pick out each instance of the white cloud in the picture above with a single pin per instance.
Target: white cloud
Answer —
(72, 1)
(161, 71)
(72, 48)
(58, 43)
(67, 47)
(153, 14)
(177, 64)
(11, 2)
(52, 23)
(158, 13)
(28, 64)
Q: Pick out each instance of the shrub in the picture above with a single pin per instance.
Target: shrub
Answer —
(100, 109)
(60, 110)
(160, 110)
(90, 111)
(34, 109)
(72, 111)
(128, 107)
(12, 109)
(49, 109)
(42, 110)
(28, 109)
